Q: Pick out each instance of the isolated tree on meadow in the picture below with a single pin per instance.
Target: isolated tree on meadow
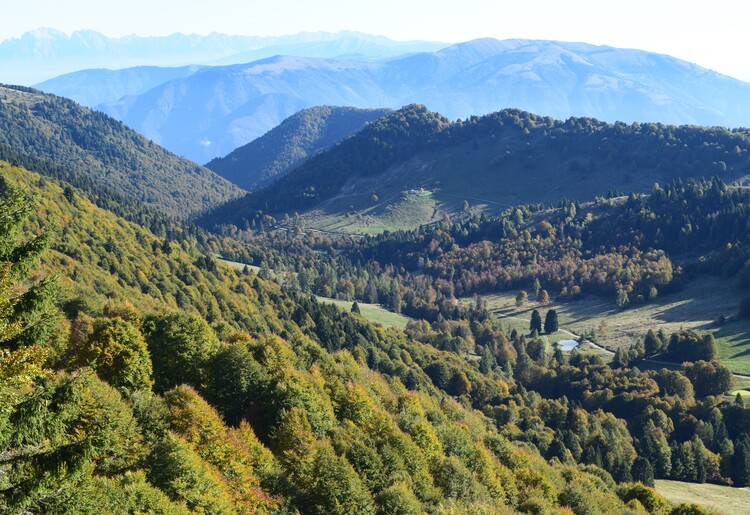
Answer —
(521, 298)
(536, 322)
(550, 322)
(622, 298)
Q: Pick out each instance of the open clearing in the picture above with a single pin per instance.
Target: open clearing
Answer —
(400, 211)
(725, 499)
(372, 312)
(238, 266)
(696, 306)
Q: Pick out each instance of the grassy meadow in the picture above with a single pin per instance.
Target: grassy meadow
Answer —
(398, 211)
(723, 499)
(372, 312)
(696, 306)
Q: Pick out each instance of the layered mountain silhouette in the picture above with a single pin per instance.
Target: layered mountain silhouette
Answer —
(97, 86)
(215, 110)
(45, 53)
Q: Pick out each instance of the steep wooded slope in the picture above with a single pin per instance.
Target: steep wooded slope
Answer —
(283, 148)
(93, 144)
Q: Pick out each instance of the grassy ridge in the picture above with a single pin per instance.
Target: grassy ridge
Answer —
(495, 161)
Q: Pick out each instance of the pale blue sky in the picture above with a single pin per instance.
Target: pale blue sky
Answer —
(712, 34)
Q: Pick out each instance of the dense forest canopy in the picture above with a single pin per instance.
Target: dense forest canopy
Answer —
(158, 379)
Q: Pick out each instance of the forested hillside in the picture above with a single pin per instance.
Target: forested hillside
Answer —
(92, 144)
(495, 161)
(297, 138)
(168, 383)
(633, 249)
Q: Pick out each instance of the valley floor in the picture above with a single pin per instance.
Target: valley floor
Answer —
(696, 306)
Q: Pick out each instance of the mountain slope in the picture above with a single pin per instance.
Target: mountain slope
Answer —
(91, 143)
(296, 139)
(93, 87)
(241, 102)
(495, 161)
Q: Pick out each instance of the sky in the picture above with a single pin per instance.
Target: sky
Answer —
(711, 34)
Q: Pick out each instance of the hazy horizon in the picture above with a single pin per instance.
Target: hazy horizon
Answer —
(710, 36)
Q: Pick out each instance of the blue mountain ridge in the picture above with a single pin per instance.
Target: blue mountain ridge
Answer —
(217, 109)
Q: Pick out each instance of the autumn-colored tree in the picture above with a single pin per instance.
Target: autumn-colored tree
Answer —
(119, 354)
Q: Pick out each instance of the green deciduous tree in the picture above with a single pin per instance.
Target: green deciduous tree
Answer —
(708, 378)
(622, 298)
(181, 346)
(689, 345)
(398, 499)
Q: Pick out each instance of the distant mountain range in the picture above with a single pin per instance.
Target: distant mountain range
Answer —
(45, 53)
(59, 133)
(298, 137)
(418, 157)
(97, 86)
(217, 109)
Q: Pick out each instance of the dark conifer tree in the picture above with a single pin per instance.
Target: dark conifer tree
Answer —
(550, 322)
(536, 322)
(741, 462)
